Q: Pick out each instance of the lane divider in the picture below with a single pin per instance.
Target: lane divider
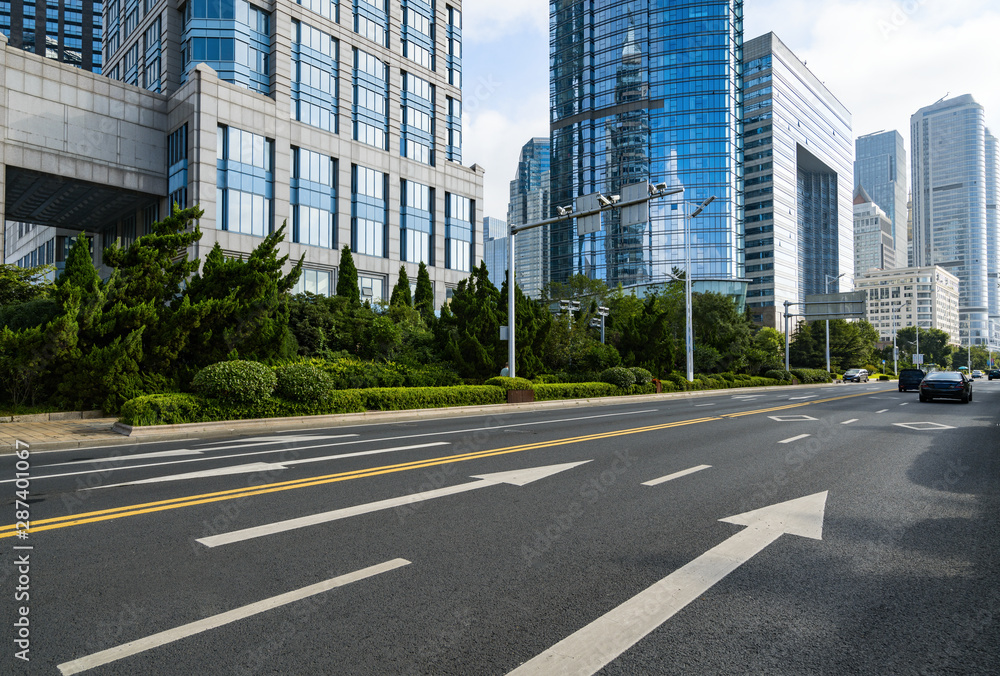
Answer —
(233, 494)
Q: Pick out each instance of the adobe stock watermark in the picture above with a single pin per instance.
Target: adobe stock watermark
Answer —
(901, 14)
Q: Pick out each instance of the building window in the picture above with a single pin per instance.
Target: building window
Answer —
(372, 21)
(417, 132)
(371, 94)
(458, 228)
(372, 288)
(313, 281)
(233, 37)
(417, 33)
(245, 182)
(314, 77)
(150, 215)
(151, 73)
(416, 223)
(328, 8)
(454, 46)
(177, 156)
(313, 198)
(368, 211)
(454, 123)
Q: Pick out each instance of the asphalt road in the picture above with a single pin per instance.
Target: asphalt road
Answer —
(390, 549)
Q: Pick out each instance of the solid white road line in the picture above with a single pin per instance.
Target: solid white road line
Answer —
(122, 458)
(700, 405)
(519, 477)
(266, 466)
(675, 475)
(810, 396)
(594, 646)
(848, 422)
(171, 635)
(791, 439)
(882, 411)
(904, 404)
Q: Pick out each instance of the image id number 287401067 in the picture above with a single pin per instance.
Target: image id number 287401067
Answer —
(22, 551)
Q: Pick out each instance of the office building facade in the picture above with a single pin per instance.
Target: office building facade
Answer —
(993, 235)
(529, 203)
(880, 168)
(65, 30)
(495, 249)
(648, 92)
(950, 223)
(341, 122)
(873, 244)
(798, 161)
(927, 297)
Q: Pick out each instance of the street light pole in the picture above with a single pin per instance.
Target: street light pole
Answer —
(827, 282)
(565, 214)
(688, 324)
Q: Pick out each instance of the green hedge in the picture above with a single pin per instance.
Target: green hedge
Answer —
(236, 382)
(510, 383)
(302, 382)
(618, 376)
(170, 409)
(405, 398)
(642, 376)
(784, 376)
(810, 376)
(551, 391)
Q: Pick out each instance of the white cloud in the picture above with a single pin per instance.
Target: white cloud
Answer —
(490, 21)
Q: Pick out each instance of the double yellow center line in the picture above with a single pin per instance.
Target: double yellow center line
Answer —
(206, 498)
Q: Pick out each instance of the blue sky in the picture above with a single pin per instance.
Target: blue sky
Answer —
(883, 59)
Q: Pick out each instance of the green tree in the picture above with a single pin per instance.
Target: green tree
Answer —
(347, 277)
(721, 327)
(249, 304)
(20, 285)
(933, 345)
(423, 299)
(649, 332)
(766, 351)
(469, 333)
(401, 291)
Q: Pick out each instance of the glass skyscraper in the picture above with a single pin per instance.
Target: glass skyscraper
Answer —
(66, 30)
(880, 168)
(529, 203)
(950, 224)
(647, 91)
(799, 212)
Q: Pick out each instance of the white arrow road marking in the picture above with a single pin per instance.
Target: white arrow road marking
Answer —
(588, 650)
(265, 466)
(791, 418)
(138, 456)
(791, 439)
(171, 635)
(675, 475)
(924, 426)
(519, 477)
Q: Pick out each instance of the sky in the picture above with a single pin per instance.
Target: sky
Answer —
(883, 59)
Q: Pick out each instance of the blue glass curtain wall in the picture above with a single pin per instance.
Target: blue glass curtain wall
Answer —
(313, 198)
(244, 182)
(417, 223)
(314, 77)
(233, 37)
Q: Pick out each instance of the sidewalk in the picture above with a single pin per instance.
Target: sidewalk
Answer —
(68, 434)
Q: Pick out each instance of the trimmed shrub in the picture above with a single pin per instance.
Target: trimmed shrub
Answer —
(619, 377)
(547, 378)
(432, 375)
(548, 392)
(783, 376)
(351, 373)
(510, 383)
(235, 382)
(883, 377)
(161, 409)
(302, 382)
(404, 398)
(641, 375)
(810, 376)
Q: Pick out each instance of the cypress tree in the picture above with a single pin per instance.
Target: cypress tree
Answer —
(347, 277)
(401, 294)
(423, 299)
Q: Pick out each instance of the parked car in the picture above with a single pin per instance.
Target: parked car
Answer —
(856, 376)
(946, 385)
(909, 379)
(994, 374)
(977, 374)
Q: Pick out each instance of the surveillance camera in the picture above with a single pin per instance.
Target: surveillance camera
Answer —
(604, 201)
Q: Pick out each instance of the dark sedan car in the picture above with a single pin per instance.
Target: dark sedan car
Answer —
(909, 379)
(946, 385)
(994, 374)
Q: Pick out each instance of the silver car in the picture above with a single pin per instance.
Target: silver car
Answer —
(856, 376)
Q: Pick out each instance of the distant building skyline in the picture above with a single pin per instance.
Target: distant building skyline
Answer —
(639, 93)
(798, 153)
(948, 168)
(529, 203)
(873, 244)
(881, 168)
(65, 30)
(904, 297)
(495, 249)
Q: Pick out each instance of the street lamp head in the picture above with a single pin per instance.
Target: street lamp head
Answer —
(702, 206)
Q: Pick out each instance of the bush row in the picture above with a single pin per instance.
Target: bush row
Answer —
(809, 376)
